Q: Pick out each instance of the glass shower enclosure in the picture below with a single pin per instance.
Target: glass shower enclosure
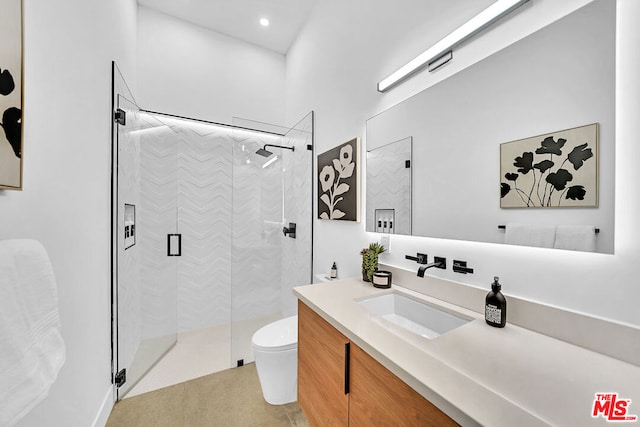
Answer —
(199, 249)
(145, 278)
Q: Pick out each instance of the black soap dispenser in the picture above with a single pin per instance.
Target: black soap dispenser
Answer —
(495, 307)
(334, 271)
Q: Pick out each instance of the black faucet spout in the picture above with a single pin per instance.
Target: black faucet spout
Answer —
(423, 268)
(438, 262)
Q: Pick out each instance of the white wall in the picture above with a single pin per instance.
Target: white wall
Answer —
(191, 71)
(333, 68)
(68, 47)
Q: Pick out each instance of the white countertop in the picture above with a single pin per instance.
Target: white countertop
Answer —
(478, 374)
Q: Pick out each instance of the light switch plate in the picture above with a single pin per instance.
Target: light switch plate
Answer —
(386, 242)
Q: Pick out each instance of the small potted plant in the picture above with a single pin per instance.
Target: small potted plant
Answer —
(370, 260)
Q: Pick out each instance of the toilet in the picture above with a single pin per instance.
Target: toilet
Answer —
(275, 348)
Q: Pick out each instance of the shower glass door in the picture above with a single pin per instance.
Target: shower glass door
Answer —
(270, 191)
(145, 239)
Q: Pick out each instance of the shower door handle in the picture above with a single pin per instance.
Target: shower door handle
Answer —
(174, 244)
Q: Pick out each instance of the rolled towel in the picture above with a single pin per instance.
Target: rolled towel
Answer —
(576, 238)
(542, 236)
(31, 347)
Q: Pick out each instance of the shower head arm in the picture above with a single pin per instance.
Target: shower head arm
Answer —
(278, 146)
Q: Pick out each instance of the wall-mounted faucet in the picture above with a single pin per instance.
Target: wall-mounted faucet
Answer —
(438, 262)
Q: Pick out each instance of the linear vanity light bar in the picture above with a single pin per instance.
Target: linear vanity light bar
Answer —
(476, 24)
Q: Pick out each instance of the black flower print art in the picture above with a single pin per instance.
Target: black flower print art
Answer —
(11, 101)
(579, 155)
(338, 182)
(12, 116)
(7, 84)
(551, 174)
(524, 163)
(551, 146)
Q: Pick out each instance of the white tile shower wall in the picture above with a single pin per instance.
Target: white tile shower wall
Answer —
(205, 201)
(235, 265)
(230, 219)
(156, 218)
(389, 167)
(257, 228)
(298, 189)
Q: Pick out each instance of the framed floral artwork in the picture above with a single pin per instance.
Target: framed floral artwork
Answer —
(554, 170)
(11, 94)
(339, 182)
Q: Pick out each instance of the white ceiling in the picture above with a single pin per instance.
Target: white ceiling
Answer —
(240, 18)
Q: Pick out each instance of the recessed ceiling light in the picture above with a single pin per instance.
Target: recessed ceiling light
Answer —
(264, 22)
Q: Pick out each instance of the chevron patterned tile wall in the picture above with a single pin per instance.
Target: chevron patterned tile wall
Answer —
(208, 184)
(204, 200)
(298, 191)
(157, 218)
(257, 225)
(389, 184)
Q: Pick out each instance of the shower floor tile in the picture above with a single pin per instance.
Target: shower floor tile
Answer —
(196, 354)
(202, 352)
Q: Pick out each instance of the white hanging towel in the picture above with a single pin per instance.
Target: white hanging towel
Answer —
(31, 347)
(576, 238)
(542, 236)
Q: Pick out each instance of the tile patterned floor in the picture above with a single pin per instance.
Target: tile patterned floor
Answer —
(229, 398)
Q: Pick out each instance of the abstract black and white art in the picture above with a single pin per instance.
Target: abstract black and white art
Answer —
(11, 94)
(339, 182)
(554, 170)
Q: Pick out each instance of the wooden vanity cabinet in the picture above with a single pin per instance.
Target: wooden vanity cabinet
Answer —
(379, 398)
(321, 367)
(339, 384)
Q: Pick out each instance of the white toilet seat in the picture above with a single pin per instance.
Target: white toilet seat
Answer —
(280, 335)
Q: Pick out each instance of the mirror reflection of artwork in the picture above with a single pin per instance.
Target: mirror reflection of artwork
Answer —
(11, 94)
(389, 187)
(339, 182)
(554, 170)
(129, 225)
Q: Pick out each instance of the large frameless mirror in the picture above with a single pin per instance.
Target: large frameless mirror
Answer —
(559, 78)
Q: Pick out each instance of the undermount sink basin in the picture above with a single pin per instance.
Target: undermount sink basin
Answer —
(413, 315)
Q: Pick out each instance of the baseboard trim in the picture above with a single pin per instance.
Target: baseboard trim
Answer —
(105, 409)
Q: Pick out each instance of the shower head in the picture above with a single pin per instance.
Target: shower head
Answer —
(266, 153)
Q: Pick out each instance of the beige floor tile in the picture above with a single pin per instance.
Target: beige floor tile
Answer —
(160, 408)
